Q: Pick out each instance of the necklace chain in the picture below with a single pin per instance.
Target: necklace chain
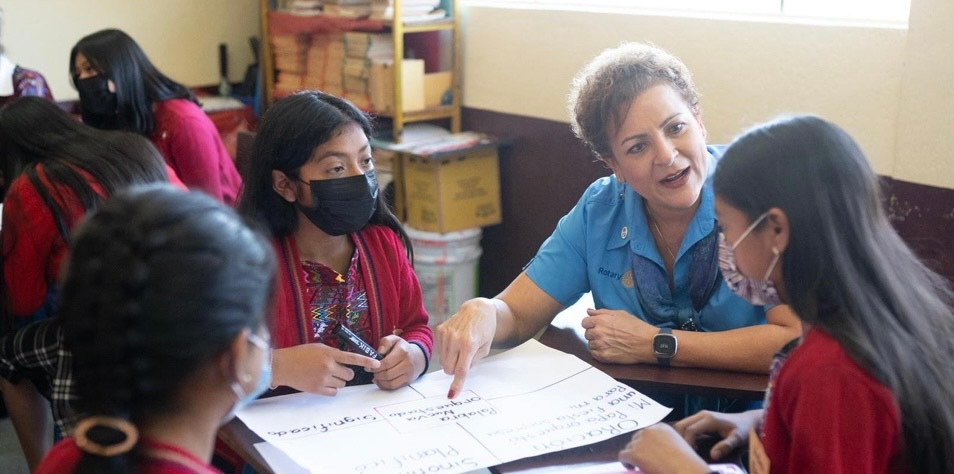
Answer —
(663, 239)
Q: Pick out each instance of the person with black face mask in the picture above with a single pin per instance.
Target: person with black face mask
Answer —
(344, 259)
(120, 89)
(98, 102)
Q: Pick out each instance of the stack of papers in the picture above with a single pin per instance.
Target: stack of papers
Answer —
(361, 51)
(324, 61)
(289, 55)
(303, 7)
(411, 10)
(348, 8)
(426, 139)
(369, 45)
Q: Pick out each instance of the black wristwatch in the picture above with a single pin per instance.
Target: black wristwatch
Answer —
(664, 346)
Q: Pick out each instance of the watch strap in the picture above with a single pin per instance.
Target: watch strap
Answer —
(664, 361)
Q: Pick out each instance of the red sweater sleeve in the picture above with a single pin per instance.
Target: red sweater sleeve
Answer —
(414, 317)
(32, 248)
(401, 290)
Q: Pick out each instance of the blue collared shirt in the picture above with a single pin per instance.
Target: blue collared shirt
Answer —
(590, 251)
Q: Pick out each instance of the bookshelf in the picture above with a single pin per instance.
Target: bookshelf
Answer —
(282, 23)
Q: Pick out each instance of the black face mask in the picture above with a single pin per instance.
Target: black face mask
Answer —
(343, 205)
(97, 103)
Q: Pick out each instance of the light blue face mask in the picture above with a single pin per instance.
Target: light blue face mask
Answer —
(243, 399)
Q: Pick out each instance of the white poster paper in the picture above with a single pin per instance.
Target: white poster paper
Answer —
(523, 402)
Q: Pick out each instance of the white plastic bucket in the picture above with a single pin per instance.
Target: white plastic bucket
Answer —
(447, 266)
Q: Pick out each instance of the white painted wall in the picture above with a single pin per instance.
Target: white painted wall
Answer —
(925, 132)
(893, 94)
(893, 89)
(180, 37)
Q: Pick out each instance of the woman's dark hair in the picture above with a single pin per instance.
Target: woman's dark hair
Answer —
(159, 282)
(116, 55)
(289, 132)
(847, 271)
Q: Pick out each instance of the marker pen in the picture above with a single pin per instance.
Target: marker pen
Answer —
(355, 342)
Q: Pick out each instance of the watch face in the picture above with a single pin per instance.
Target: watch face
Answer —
(664, 345)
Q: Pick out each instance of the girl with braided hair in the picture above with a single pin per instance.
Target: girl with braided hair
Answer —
(162, 311)
(55, 169)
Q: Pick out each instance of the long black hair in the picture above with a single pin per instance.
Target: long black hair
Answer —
(35, 133)
(65, 161)
(114, 54)
(159, 283)
(847, 271)
(289, 132)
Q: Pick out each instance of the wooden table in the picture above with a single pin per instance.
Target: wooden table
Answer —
(566, 334)
(242, 440)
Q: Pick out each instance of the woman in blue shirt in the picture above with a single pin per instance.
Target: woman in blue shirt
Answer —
(643, 240)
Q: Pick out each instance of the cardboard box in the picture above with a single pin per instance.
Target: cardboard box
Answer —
(437, 89)
(452, 191)
(381, 85)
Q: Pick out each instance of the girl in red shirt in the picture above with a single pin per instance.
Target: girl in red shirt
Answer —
(163, 305)
(344, 259)
(121, 89)
(869, 389)
(55, 169)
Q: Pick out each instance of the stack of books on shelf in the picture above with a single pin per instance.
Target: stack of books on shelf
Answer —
(289, 53)
(324, 61)
(411, 10)
(361, 51)
(348, 8)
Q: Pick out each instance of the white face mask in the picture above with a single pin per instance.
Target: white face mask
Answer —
(757, 292)
(243, 399)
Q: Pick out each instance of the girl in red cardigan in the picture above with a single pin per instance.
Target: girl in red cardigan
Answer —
(869, 389)
(344, 259)
(55, 171)
(119, 88)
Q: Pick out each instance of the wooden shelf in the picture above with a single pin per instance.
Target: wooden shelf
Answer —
(434, 113)
(442, 25)
(283, 23)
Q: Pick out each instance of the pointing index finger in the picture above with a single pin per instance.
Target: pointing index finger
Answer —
(464, 361)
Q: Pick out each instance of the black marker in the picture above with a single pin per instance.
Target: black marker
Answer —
(355, 342)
